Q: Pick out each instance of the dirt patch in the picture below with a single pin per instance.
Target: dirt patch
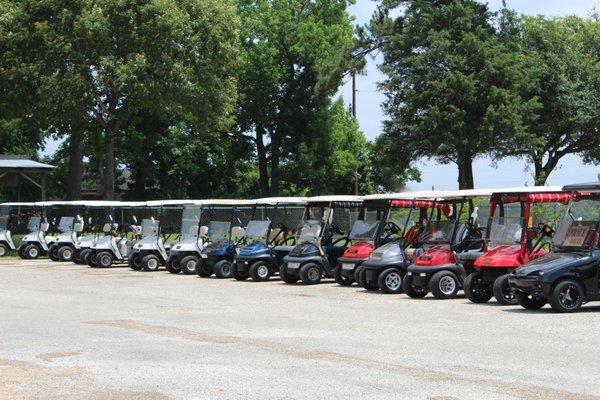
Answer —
(520, 390)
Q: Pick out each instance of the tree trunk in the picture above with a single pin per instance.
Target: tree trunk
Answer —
(75, 177)
(275, 175)
(263, 169)
(140, 182)
(465, 172)
(108, 175)
(543, 170)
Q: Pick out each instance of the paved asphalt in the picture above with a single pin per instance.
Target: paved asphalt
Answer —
(72, 332)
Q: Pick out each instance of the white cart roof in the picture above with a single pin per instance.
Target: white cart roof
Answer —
(332, 198)
(281, 200)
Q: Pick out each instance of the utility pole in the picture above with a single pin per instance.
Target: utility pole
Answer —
(354, 115)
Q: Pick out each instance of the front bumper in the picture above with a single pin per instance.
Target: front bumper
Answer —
(349, 264)
(530, 285)
(243, 263)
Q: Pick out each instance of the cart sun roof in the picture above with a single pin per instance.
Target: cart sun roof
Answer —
(583, 187)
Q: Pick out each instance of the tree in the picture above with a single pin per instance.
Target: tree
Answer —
(563, 60)
(452, 87)
(292, 63)
(112, 58)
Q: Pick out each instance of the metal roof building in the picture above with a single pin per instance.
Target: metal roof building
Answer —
(14, 167)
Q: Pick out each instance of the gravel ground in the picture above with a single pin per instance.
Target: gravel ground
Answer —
(72, 332)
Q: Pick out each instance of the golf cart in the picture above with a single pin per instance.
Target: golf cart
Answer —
(452, 241)
(227, 219)
(269, 237)
(93, 213)
(513, 239)
(569, 276)
(69, 225)
(184, 255)
(386, 267)
(35, 243)
(6, 242)
(152, 250)
(120, 231)
(322, 238)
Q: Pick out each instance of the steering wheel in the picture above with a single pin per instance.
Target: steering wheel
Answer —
(391, 229)
(335, 228)
(345, 239)
(546, 230)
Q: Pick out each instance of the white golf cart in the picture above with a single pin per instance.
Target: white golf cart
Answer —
(6, 242)
(35, 244)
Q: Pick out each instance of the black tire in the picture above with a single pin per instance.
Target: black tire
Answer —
(3, 249)
(287, 278)
(444, 285)
(503, 293)
(92, 260)
(476, 289)
(150, 263)
(260, 271)
(223, 269)
(188, 265)
(65, 253)
(135, 261)
(239, 276)
(357, 273)
(340, 278)
(84, 256)
(310, 274)
(172, 265)
(530, 302)
(53, 253)
(104, 259)
(411, 290)
(21, 252)
(32, 251)
(364, 283)
(567, 296)
(204, 270)
(390, 281)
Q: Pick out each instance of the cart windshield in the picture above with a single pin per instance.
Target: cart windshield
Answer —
(578, 227)
(439, 232)
(310, 231)
(364, 230)
(150, 227)
(65, 224)
(257, 231)
(506, 225)
(34, 224)
(190, 219)
(218, 230)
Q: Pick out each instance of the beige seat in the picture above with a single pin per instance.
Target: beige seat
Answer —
(203, 231)
(237, 232)
(275, 234)
(44, 226)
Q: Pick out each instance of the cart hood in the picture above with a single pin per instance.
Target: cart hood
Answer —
(549, 263)
(388, 253)
(254, 249)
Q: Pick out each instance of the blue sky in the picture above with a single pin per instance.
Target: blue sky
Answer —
(509, 172)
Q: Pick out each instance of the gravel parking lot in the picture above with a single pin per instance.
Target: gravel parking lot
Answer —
(72, 332)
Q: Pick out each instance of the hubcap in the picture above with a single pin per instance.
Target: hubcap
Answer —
(262, 271)
(33, 252)
(191, 265)
(152, 264)
(2, 251)
(313, 274)
(67, 254)
(226, 269)
(447, 285)
(105, 260)
(507, 293)
(568, 296)
(393, 281)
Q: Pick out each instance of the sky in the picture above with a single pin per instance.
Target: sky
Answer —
(508, 172)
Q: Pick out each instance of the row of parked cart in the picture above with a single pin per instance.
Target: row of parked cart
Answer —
(525, 246)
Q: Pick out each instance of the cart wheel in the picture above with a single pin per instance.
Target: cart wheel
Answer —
(476, 289)
(92, 260)
(530, 302)
(310, 274)
(223, 269)
(340, 278)
(150, 263)
(188, 265)
(135, 261)
(53, 253)
(173, 265)
(412, 290)
(203, 269)
(65, 253)
(84, 256)
(356, 273)
(104, 259)
(260, 271)
(444, 285)
(390, 281)
(31, 252)
(502, 292)
(237, 275)
(364, 283)
(3, 249)
(21, 252)
(567, 296)
(285, 276)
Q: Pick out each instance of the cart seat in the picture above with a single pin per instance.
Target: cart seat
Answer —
(274, 234)
(237, 232)
(203, 231)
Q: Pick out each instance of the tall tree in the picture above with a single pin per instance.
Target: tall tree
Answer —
(293, 58)
(452, 86)
(563, 62)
